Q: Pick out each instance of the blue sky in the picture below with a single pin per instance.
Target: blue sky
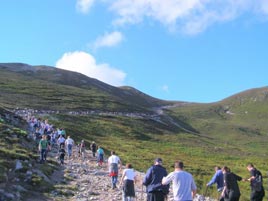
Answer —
(185, 50)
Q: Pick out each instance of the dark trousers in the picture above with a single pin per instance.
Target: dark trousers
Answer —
(156, 196)
(232, 199)
(62, 159)
(43, 155)
(257, 195)
(114, 181)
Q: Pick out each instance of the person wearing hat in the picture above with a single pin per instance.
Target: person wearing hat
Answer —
(184, 187)
(152, 180)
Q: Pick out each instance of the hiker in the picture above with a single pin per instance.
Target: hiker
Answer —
(37, 135)
(48, 139)
(82, 149)
(69, 143)
(53, 138)
(255, 179)
(153, 182)
(114, 164)
(128, 179)
(78, 150)
(93, 147)
(183, 184)
(61, 141)
(100, 156)
(231, 191)
(59, 131)
(63, 132)
(61, 154)
(217, 178)
(43, 148)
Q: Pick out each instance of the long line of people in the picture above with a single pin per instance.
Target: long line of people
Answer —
(156, 180)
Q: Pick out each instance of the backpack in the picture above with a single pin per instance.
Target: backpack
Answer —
(256, 183)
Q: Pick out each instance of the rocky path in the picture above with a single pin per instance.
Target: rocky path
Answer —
(83, 180)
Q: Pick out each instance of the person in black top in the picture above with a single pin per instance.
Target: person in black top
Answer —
(93, 148)
(231, 191)
(153, 182)
(61, 154)
(257, 190)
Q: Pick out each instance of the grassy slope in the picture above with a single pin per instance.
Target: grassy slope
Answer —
(234, 129)
(62, 90)
(15, 145)
(222, 138)
(33, 93)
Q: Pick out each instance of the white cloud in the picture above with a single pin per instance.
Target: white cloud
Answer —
(188, 16)
(84, 6)
(263, 7)
(165, 88)
(109, 40)
(85, 63)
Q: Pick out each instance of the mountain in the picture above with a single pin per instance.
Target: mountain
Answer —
(50, 86)
(59, 91)
(139, 127)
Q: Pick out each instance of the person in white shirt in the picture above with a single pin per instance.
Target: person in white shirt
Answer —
(113, 164)
(128, 179)
(184, 187)
(69, 143)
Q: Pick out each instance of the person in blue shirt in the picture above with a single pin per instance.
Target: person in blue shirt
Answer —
(100, 156)
(153, 182)
(217, 178)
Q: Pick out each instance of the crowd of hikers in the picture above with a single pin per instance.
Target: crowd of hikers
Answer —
(157, 180)
(47, 136)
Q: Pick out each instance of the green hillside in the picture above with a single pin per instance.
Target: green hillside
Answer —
(140, 128)
(20, 172)
(238, 121)
(43, 86)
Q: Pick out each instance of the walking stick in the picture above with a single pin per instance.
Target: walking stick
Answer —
(141, 191)
(206, 192)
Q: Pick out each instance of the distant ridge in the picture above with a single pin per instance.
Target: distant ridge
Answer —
(260, 94)
(52, 75)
